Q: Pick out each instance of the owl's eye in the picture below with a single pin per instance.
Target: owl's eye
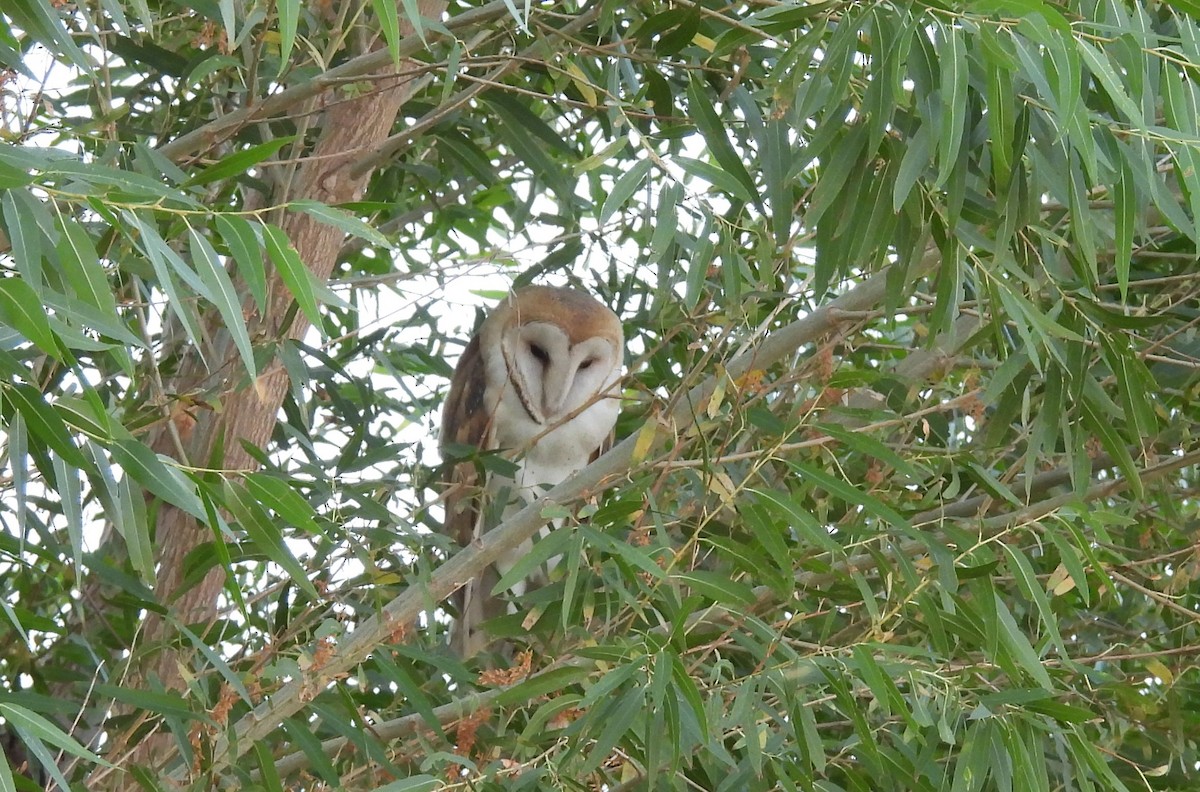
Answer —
(542, 356)
(587, 364)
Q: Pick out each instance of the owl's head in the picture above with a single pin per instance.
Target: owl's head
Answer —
(560, 348)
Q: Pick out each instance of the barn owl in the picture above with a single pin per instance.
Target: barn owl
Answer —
(538, 380)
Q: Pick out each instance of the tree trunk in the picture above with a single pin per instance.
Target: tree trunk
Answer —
(350, 129)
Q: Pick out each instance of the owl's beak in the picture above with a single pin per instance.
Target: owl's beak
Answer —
(554, 391)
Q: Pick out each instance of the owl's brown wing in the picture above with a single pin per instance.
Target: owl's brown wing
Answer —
(466, 421)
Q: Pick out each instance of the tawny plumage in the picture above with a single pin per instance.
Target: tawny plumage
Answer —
(540, 381)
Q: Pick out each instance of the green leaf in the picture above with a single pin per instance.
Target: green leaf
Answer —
(1018, 645)
(417, 783)
(1103, 71)
(164, 480)
(389, 21)
(24, 234)
(955, 77)
(850, 494)
(718, 178)
(1098, 424)
(717, 586)
(247, 251)
(264, 534)
(280, 497)
(916, 159)
(83, 270)
(342, 220)
(1125, 211)
(413, 12)
(167, 264)
(289, 15)
(801, 520)
(618, 720)
(44, 730)
(1028, 583)
(225, 297)
(21, 309)
(39, 19)
(296, 276)
(715, 136)
(134, 528)
(238, 163)
(42, 420)
(624, 189)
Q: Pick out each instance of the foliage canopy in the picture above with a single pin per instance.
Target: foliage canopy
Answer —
(906, 496)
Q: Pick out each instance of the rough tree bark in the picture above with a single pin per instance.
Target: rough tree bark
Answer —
(351, 128)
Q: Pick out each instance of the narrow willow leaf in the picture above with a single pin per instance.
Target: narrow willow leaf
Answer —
(716, 137)
(166, 263)
(398, 672)
(1028, 583)
(636, 557)
(582, 83)
(1134, 384)
(239, 163)
(624, 188)
(229, 20)
(1069, 557)
(1098, 64)
(916, 159)
(247, 250)
(70, 498)
(850, 494)
(284, 500)
(6, 778)
(776, 152)
(1001, 120)
(18, 452)
(1124, 210)
(22, 310)
(698, 267)
(229, 304)
(24, 235)
(715, 176)
(718, 587)
(46, 731)
(83, 269)
(1018, 645)
(954, 76)
(342, 220)
(417, 783)
(801, 521)
(542, 684)
(135, 530)
(1099, 425)
(165, 481)
(42, 420)
(389, 20)
(1082, 224)
(296, 276)
(289, 16)
(522, 129)
(618, 720)
(264, 534)
(870, 447)
(550, 546)
(667, 221)
(40, 20)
